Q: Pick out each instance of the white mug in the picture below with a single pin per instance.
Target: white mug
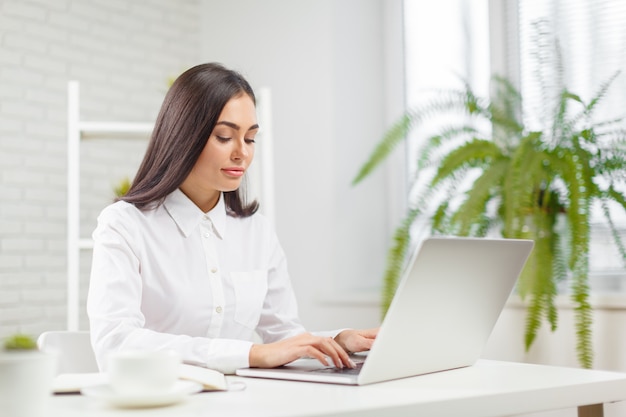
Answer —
(26, 382)
(143, 372)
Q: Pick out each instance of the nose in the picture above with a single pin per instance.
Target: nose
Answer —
(240, 150)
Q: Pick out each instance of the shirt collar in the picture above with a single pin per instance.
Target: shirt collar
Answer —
(187, 215)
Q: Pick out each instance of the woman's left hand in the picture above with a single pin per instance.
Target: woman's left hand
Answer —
(356, 340)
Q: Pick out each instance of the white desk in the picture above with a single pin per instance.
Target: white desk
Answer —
(488, 389)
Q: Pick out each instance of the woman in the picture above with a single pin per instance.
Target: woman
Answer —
(183, 262)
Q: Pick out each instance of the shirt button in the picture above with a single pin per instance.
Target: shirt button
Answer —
(207, 234)
(213, 270)
(218, 309)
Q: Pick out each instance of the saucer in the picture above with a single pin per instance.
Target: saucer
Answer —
(177, 393)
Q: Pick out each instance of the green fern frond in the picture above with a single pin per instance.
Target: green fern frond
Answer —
(471, 154)
(546, 222)
(567, 95)
(427, 195)
(611, 165)
(507, 93)
(434, 142)
(483, 225)
(395, 135)
(552, 312)
(573, 175)
(583, 314)
(504, 109)
(439, 218)
(560, 127)
(510, 126)
(540, 284)
(559, 258)
(584, 158)
(539, 226)
(534, 314)
(446, 192)
(613, 124)
(536, 281)
(588, 110)
(602, 91)
(575, 178)
(456, 101)
(564, 129)
(521, 184)
(396, 258)
(614, 233)
(471, 212)
(616, 196)
(446, 101)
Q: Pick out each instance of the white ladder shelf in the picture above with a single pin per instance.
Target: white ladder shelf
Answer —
(76, 130)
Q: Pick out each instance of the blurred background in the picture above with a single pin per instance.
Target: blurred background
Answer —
(334, 76)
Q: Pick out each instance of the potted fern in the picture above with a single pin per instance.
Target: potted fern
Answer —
(490, 173)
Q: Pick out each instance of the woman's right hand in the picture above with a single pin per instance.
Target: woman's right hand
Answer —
(279, 353)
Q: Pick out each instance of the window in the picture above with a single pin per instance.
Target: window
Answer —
(592, 38)
(450, 40)
(446, 44)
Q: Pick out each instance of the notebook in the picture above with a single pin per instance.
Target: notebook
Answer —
(445, 307)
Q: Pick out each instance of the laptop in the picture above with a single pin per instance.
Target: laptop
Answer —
(446, 305)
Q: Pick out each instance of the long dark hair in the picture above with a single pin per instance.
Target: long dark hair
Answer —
(187, 117)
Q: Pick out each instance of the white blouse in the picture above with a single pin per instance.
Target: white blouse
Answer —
(173, 277)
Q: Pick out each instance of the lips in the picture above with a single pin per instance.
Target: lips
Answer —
(233, 172)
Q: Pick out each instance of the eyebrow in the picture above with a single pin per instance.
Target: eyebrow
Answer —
(236, 126)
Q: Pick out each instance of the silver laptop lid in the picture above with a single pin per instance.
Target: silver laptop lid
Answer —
(446, 306)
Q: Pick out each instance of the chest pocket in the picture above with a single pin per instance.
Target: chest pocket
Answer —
(250, 289)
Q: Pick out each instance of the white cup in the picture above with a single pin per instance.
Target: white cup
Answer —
(141, 373)
(26, 382)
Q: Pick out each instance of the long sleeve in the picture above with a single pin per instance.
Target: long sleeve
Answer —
(202, 284)
(117, 320)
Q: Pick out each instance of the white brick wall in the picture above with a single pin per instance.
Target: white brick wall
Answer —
(122, 52)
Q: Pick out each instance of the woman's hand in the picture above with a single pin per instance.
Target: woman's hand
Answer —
(356, 340)
(279, 353)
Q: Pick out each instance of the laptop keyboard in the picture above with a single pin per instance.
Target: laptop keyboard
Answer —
(343, 371)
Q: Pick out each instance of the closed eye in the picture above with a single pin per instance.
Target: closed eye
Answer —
(225, 139)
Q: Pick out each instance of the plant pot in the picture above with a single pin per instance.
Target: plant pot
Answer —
(26, 382)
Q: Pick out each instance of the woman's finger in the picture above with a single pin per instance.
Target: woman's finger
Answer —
(313, 352)
(369, 333)
(336, 353)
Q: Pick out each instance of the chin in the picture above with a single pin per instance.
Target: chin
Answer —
(229, 189)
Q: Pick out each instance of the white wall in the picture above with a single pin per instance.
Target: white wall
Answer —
(335, 71)
(335, 86)
(122, 52)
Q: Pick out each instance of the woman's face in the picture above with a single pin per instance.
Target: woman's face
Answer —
(226, 155)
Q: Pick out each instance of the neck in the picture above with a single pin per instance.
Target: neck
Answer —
(204, 201)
